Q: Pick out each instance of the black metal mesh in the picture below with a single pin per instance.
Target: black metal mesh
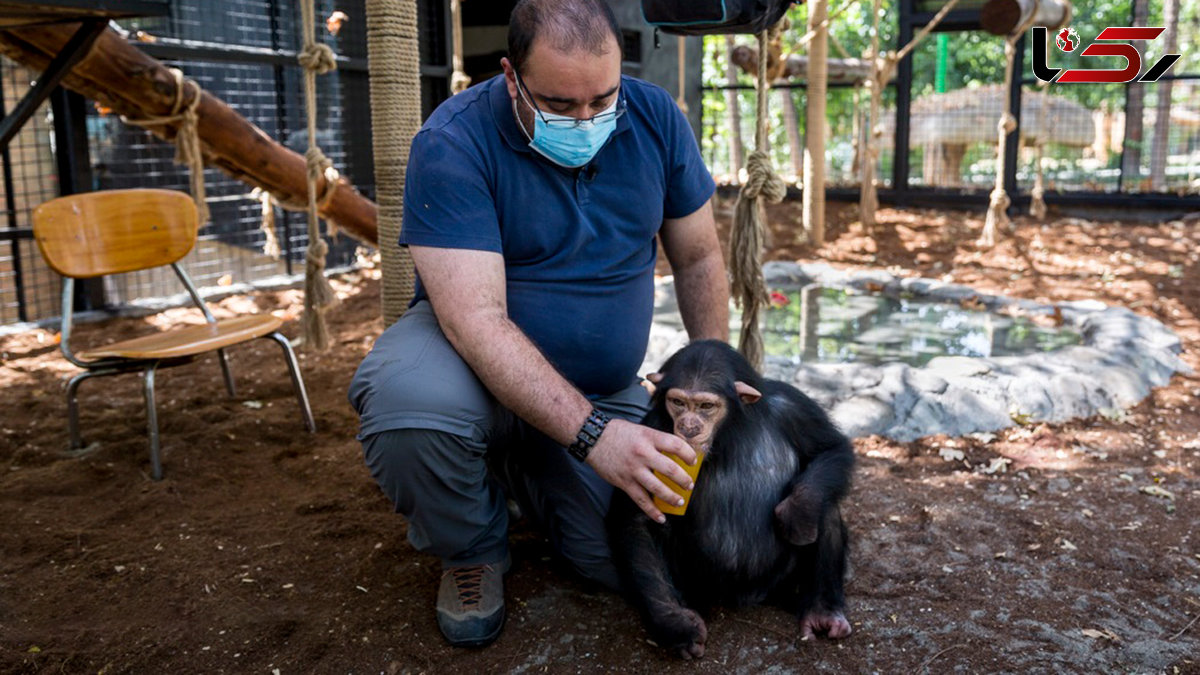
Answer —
(270, 95)
(28, 289)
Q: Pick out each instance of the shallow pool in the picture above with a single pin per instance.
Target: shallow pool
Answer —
(819, 324)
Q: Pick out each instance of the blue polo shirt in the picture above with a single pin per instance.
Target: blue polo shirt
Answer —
(578, 244)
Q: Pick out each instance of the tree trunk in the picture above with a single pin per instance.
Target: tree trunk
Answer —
(1131, 157)
(737, 152)
(1160, 148)
(814, 131)
(120, 76)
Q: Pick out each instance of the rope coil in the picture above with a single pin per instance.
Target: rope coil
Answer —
(188, 150)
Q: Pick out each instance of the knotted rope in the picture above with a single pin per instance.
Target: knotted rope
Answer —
(749, 231)
(997, 214)
(187, 137)
(316, 59)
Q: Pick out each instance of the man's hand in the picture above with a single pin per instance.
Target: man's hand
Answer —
(628, 454)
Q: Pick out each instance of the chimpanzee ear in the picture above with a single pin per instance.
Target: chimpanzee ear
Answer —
(655, 378)
(747, 393)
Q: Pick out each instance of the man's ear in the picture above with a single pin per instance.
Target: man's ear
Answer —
(747, 393)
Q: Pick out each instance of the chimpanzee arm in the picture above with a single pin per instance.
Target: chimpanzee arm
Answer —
(647, 581)
(826, 459)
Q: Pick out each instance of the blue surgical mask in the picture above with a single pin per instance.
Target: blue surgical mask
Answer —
(567, 141)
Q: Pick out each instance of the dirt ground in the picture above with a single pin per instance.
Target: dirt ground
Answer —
(269, 550)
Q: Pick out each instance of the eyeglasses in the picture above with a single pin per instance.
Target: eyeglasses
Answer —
(571, 123)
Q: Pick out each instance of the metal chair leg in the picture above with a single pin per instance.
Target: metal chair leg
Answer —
(229, 386)
(297, 381)
(152, 421)
(76, 441)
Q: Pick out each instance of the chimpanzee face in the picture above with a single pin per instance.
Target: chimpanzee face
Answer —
(697, 414)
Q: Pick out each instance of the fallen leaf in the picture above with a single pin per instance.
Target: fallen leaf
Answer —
(1155, 491)
(253, 405)
(951, 455)
(1126, 477)
(1105, 634)
(1068, 546)
(998, 465)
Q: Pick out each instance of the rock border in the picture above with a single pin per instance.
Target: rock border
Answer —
(1120, 358)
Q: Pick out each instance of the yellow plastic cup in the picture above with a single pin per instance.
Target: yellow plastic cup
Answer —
(692, 471)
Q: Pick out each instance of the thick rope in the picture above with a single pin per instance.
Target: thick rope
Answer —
(1037, 196)
(187, 136)
(681, 100)
(394, 59)
(316, 59)
(749, 231)
(999, 201)
(885, 65)
(271, 244)
(459, 80)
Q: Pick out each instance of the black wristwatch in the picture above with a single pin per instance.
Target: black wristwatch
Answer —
(588, 434)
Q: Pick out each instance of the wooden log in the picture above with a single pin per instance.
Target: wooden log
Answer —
(795, 66)
(119, 76)
(1001, 17)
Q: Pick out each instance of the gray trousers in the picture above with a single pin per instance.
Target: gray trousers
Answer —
(447, 454)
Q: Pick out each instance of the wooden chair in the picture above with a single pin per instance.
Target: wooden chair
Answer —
(93, 234)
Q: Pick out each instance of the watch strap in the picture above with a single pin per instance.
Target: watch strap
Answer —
(588, 434)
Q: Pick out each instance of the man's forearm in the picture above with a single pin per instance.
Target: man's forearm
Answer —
(702, 291)
(519, 376)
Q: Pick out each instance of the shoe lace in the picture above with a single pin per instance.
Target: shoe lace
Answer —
(469, 582)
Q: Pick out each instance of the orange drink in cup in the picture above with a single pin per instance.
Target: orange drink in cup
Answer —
(692, 472)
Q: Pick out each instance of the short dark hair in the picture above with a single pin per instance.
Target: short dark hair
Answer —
(568, 24)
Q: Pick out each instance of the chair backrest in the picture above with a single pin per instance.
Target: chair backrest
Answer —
(108, 232)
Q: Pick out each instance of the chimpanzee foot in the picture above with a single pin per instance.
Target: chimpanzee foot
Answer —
(832, 623)
(682, 631)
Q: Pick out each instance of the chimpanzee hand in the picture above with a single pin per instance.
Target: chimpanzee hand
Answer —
(627, 455)
(799, 515)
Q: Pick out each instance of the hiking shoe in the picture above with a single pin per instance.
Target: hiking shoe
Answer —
(470, 607)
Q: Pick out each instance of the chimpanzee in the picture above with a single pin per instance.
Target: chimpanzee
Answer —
(763, 523)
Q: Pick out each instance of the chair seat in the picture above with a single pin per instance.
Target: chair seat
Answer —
(189, 341)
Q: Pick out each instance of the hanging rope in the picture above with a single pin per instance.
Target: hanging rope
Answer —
(271, 245)
(1037, 196)
(884, 69)
(187, 138)
(316, 59)
(749, 231)
(394, 59)
(997, 214)
(459, 80)
(681, 100)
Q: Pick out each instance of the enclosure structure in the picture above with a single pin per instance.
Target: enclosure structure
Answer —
(244, 53)
(1131, 161)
